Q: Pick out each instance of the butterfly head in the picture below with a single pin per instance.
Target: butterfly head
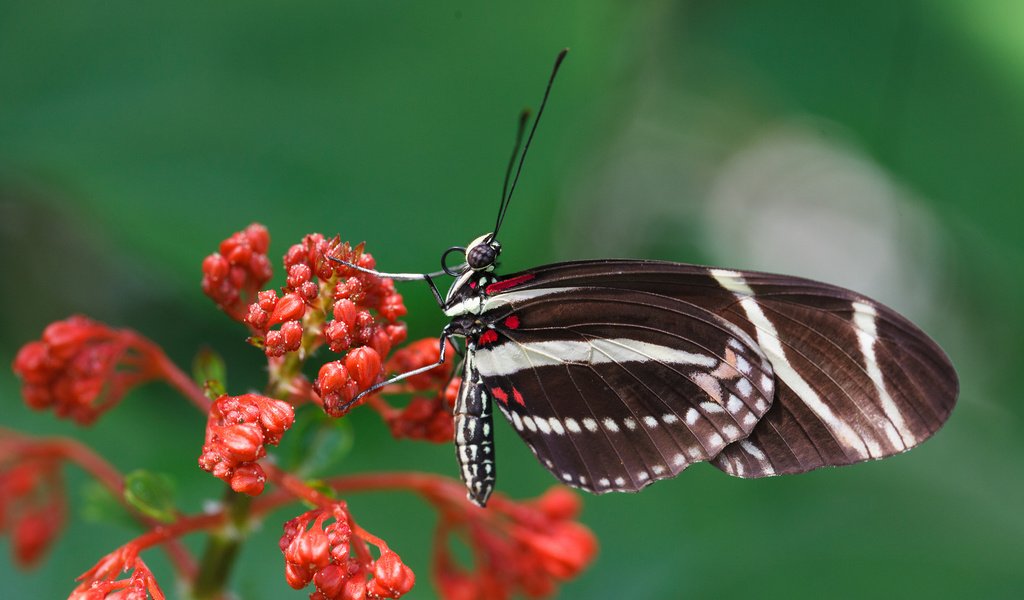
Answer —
(482, 253)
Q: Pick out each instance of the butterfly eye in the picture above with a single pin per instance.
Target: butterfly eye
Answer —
(482, 256)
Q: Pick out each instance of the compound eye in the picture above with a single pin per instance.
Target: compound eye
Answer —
(481, 256)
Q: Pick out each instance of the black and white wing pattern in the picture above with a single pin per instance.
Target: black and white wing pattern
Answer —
(614, 389)
(619, 373)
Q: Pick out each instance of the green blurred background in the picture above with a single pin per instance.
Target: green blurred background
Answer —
(875, 144)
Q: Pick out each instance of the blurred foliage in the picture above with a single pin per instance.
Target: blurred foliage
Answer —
(135, 136)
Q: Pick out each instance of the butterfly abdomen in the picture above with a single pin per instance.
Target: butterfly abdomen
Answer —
(474, 435)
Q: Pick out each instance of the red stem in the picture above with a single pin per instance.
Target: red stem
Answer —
(170, 372)
(183, 383)
(80, 454)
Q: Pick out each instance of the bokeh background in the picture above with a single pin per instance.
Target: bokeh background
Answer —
(876, 145)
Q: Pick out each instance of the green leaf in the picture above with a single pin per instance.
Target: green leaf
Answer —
(322, 487)
(316, 443)
(100, 506)
(151, 493)
(210, 371)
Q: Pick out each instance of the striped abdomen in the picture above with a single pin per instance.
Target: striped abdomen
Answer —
(474, 435)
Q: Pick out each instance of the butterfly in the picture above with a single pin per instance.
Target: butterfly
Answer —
(619, 373)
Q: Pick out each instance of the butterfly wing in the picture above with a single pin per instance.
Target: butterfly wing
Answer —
(613, 389)
(852, 379)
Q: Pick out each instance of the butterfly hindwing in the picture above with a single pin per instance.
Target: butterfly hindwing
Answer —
(614, 389)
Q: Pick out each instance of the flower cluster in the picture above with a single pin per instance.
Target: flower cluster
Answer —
(336, 559)
(333, 298)
(424, 417)
(101, 581)
(365, 327)
(81, 368)
(238, 431)
(232, 276)
(521, 548)
(31, 500)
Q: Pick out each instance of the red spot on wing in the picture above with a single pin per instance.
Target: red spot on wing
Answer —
(472, 285)
(500, 394)
(512, 322)
(488, 337)
(518, 397)
(501, 286)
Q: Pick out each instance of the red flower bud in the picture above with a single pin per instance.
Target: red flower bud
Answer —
(242, 442)
(248, 479)
(330, 580)
(290, 307)
(338, 336)
(257, 318)
(355, 589)
(216, 266)
(380, 342)
(31, 363)
(335, 388)
(34, 533)
(345, 311)
(297, 576)
(310, 548)
(559, 503)
(298, 274)
(276, 417)
(391, 577)
(364, 366)
(259, 237)
(333, 376)
(267, 300)
(287, 339)
(564, 549)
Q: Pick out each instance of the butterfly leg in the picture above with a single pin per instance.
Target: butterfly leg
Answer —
(428, 277)
(445, 334)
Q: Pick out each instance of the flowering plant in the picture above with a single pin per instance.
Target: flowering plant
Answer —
(81, 369)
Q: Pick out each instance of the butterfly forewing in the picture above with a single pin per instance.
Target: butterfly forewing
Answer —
(855, 380)
(613, 388)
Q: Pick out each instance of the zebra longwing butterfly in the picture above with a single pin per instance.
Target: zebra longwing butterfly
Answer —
(618, 373)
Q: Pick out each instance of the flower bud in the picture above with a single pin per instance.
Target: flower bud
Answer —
(364, 366)
(330, 580)
(248, 479)
(391, 577)
(33, 534)
(243, 442)
(290, 307)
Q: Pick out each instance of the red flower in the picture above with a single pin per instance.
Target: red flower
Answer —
(335, 558)
(420, 354)
(237, 432)
(423, 418)
(32, 504)
(335, 388)
(81, 368)
(99, 582)
(232, 275)
(428, 419)
(525, 548)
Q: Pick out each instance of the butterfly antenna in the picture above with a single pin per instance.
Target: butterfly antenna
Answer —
(506, 198)
(523, 118)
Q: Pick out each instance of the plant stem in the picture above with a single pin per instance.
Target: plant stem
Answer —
(222, 548)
